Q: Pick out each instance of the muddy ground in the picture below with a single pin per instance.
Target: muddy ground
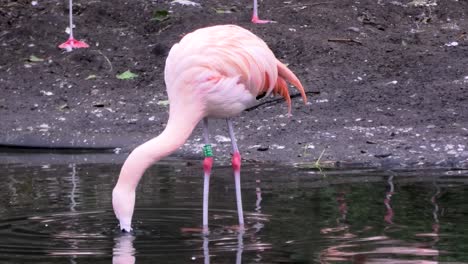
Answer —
(387, 80)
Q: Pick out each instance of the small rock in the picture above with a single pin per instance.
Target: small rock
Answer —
(47, 93)
(220, 138)
(354, 29)
(452, 44)
(185, 3)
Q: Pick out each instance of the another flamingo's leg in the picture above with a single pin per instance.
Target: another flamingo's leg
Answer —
(236, 165)
(207, 165)
(255, 18)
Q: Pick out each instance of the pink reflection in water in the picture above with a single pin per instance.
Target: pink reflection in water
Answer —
(348, 247)
(388, 198)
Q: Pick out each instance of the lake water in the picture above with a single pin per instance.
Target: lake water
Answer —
(62, 213)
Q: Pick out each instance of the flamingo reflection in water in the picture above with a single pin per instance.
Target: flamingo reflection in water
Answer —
(388, 198)
(124, 250)
(347, 245)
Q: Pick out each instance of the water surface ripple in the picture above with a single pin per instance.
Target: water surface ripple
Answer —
(63, 214)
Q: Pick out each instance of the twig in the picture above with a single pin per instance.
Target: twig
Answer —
(317, 162)
(14, 4)
(107, 59)
(3, 34)
(164, 29)
(345, 40)
(301, 5)
(462, 36)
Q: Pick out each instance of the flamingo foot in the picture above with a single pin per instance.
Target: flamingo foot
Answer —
(257, 20)
(72, 43)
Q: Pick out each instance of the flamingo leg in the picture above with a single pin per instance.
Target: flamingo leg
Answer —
(255, 18)
(207, 165)
(72, 43)
(236, 164)
(70, 17)
(206, 250)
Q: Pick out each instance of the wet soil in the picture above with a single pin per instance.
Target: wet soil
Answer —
(387, 80)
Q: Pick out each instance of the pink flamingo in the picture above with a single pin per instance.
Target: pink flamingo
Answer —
(72, 43)
(213, 72)
(255, 18)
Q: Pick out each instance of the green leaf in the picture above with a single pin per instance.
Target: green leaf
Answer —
(33, 58)
(127, 75)
(160, 15)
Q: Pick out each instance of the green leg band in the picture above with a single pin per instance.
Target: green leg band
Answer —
(207, 150)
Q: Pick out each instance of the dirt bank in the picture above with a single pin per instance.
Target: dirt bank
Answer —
(387, 80)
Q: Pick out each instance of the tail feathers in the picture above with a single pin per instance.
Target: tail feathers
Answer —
(281, 87)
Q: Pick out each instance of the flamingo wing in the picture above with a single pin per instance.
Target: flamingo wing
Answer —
(227, 67)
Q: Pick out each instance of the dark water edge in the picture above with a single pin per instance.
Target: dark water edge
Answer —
(56, 212)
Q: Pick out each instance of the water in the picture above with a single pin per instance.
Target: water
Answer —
(62, 214)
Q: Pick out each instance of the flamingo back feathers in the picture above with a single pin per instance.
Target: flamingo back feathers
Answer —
(227, 67)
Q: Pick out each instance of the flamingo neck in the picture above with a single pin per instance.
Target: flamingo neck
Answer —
(174, 135)
(123, 196)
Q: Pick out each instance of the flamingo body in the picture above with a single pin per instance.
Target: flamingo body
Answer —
(216, 72)
(226, 66)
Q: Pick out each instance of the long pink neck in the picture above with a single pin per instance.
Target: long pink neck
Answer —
(174, 135)
(186, 110)
(177, 131)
